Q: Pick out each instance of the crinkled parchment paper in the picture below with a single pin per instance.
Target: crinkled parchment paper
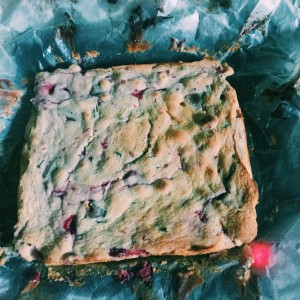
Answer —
(259, 39)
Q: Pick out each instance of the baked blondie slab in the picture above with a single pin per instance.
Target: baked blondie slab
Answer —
(133, 161)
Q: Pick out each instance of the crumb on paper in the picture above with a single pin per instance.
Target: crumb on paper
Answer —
(92, 54)
(187, 282)
(236, 47)
(191, 269)
(243, 273)
(2, 256)
(132, 263)
(54, 275)
(231, 48)
(180, 46)
(176, 44)
(297, 86)
(9, 96)
(138, 25)
(244, 276)
(138, 47)
(27, 81)
(186, 274)
(273, 141)
(191, 49)
(75, 283)
(76, 56)
(33, 283)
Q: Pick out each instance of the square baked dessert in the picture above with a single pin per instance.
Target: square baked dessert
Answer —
(133, 161)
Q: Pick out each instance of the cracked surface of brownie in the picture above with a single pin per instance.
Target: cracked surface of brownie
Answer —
(134, 161)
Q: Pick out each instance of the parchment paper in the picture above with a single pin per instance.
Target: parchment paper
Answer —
(259, 39)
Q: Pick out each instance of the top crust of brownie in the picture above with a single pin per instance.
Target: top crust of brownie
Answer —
(133, 161)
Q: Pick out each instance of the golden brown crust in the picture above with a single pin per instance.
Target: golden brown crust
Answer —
(205, 64)
(241, 222)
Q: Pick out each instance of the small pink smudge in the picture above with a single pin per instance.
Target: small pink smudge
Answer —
(144, 271)
(104, 144)
(261, 253)
(138, 94)
(33, 283)
(202, 216)
(70, 224)
(138, 252)
(123, 275)
(59, 193)
(48, 87)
